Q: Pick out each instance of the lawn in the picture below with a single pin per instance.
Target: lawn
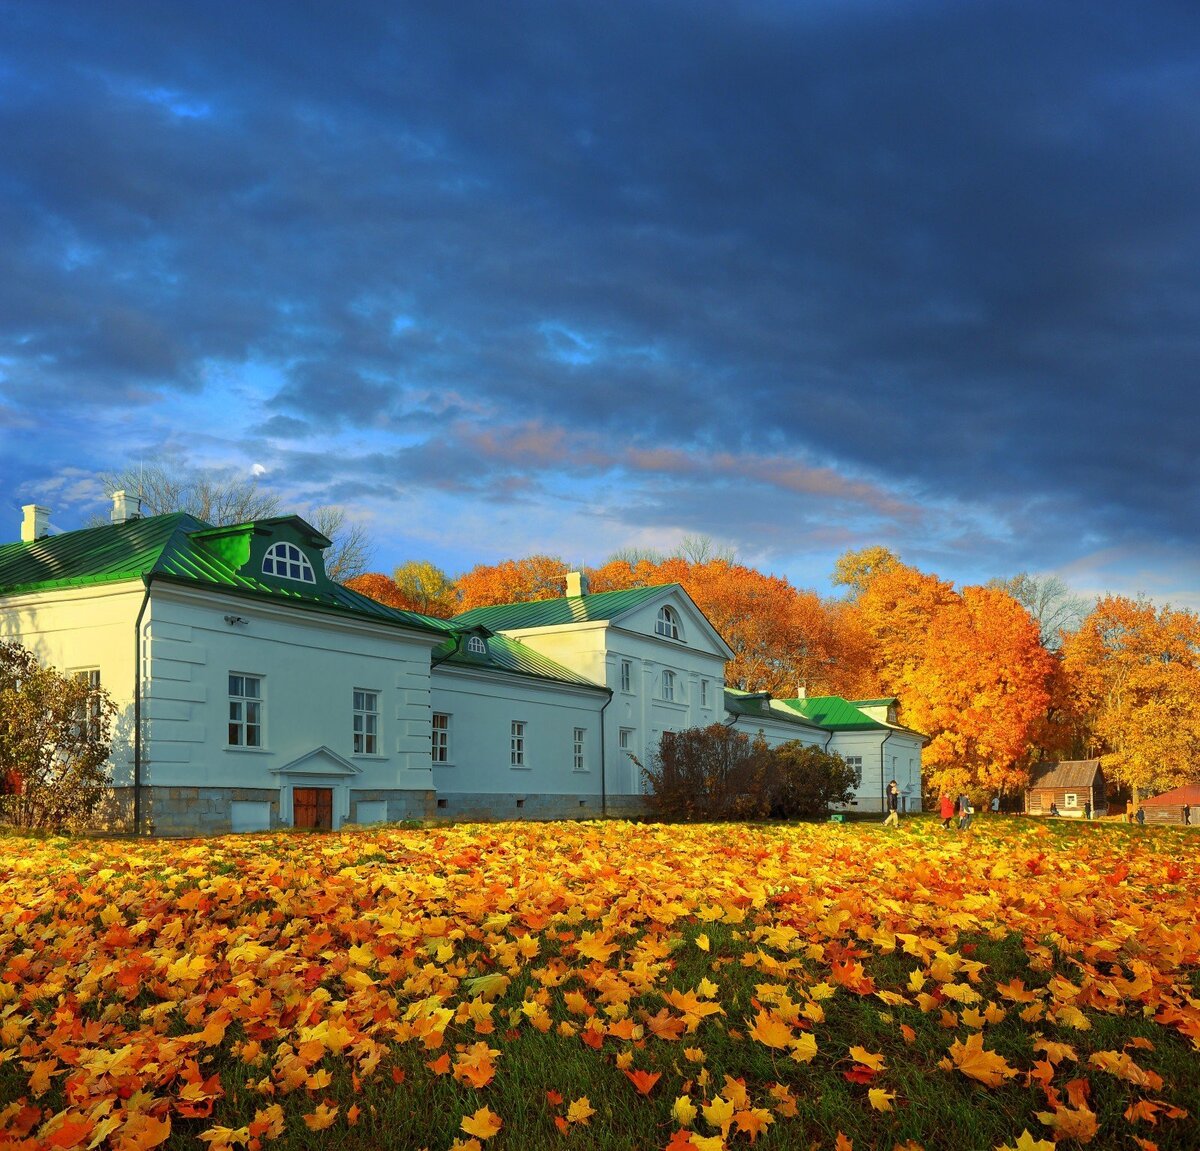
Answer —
(605, 985)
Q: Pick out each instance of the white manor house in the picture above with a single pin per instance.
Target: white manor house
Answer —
(254, 692)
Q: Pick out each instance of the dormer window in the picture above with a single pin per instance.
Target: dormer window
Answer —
(667, 623)
(476, 646)
(288, 562)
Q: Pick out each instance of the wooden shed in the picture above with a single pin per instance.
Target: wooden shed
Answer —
(1069, 785)
(1168, 807)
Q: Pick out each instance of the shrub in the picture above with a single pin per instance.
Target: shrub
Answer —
(54, 743)
(804, 780)
(708, 773)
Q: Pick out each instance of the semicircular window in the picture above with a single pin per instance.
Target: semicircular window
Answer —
(476, 645)
(288, 562)
(667, 623)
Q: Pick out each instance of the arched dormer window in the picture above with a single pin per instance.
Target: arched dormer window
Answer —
(289, 562)
(476, 645)
(667, 623)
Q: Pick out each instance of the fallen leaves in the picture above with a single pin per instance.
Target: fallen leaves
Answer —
(134, 975)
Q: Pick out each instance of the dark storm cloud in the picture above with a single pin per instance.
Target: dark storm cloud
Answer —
(952, 248)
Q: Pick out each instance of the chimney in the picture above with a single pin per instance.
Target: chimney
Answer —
(125, 507)
(801, 691)
(576, 584)
(36, 524)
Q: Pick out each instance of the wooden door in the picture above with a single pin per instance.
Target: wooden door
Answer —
(313, 807)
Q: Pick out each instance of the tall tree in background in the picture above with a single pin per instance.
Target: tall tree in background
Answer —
(166, 486)
(1135, 670)
(512, 581)
(1054, 607)
(856, 569)
(427, 589)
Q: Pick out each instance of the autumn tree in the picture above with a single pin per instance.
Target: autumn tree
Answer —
(54, 743)
(1052, 605)
(969, 669)
(427, 589)
(856, 569)
(511, 581)
(1135, 670)
(379, 587)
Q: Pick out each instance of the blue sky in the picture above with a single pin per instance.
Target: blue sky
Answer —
(571, 277)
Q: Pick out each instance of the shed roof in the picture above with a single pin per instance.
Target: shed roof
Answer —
(1067, 773)
(1189, 793)
(833, 713)
(173, 547)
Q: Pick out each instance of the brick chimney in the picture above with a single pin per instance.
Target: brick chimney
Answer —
(577, 584)
(36, 524)
(125, 507)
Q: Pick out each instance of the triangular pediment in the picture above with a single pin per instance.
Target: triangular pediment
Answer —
(320, 761)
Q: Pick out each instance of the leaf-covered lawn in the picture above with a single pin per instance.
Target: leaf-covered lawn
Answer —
(605, 986)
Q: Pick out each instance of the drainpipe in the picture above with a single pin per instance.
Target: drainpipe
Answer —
(882, 785)
(603, 785)
(137, 710)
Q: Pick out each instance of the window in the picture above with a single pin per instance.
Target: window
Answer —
(625, 740)
(288, 561)
(476, 646)
(87, 716)
(854, 761)
(580, 737)
(668, 685)
(1070, 800)
(626, 675)
(517, 743)
(667, 623)
(441, 737)
(245, 711)
(366, 722)
(704, 693)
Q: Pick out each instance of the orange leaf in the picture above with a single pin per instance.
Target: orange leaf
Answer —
(644, 1081)
(483, 1124)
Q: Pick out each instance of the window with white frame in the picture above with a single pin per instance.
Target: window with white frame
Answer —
(667, 623)
(579, 739)
(87, 714)
(1070, 800)
(517, 744)
(668, 686)
(626, 675)
(854, 761)
(476, 645)
(704, 693)
(289, 562)
(625, 740)
(245, 710)
(441, 737)
(366, 722)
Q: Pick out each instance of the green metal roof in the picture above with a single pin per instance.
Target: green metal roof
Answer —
(175, 548)
(508, 655)
(560, 610)
(755, 706)
(833, 713)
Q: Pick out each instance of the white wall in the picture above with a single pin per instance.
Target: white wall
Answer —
(898, 758)
(482, 706)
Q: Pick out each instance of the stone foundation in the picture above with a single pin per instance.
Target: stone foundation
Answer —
(483, 807)
(401, 805)
(174, 811)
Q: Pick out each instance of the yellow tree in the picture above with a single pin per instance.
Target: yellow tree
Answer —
(1135, 671)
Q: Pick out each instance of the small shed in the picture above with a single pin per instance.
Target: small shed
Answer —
(1168, 807)
(1069, 785)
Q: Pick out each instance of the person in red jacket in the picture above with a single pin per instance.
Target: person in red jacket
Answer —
(947, 811)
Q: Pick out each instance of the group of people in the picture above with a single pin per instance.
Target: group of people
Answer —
(962, 807)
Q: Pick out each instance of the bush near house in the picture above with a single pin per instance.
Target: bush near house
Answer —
(55, 737)
(716, 772)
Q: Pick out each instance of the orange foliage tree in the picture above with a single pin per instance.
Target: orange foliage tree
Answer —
(1135, 671)
(379, 587)
(969, 668)
(511, 581)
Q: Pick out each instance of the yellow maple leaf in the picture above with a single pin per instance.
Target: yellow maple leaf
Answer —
(702, 942)
(770, 1030)
(1027, 1142)
(580, 1111)
(974, 1060)
(879, 1099)
(321, 1118)
(719, 1113)
(483, 1124)
(867, 1058)
(684, 1111)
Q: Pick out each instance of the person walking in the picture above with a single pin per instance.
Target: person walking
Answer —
(995, 805)
(1187, 815)
(1141, 816)
(893, 805)
(946, 810)
(964, 812)
(1087, 809)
